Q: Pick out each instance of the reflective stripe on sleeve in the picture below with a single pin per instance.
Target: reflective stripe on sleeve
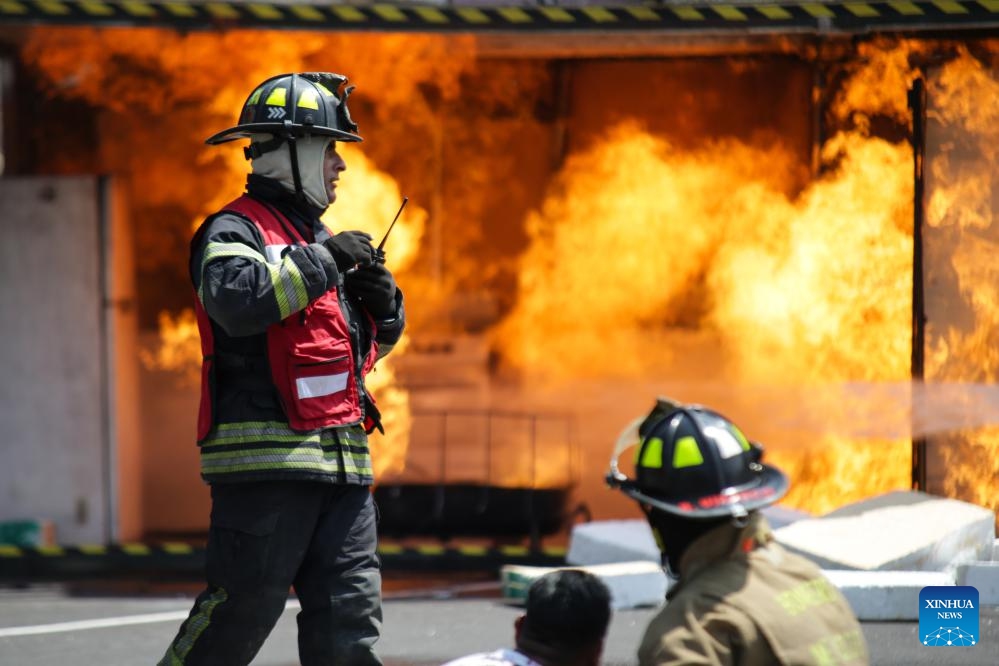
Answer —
(289, 287)
(286, 278)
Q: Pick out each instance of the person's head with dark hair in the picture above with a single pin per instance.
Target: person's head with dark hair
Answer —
(565, 620)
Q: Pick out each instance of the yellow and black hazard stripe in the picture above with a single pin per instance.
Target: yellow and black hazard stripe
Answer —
(470, 557)
(20, 563)
(777, 16)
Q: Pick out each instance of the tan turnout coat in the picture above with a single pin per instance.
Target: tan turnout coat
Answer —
(743, 599)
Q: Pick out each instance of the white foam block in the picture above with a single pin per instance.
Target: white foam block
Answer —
(885, 595)
(631, 584)
(607, 541)
(902, 531)
(983, 576)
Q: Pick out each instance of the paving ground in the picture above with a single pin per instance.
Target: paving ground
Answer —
(426, 622)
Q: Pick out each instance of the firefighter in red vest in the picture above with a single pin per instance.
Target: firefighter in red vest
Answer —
(739, 598)
(292, 317)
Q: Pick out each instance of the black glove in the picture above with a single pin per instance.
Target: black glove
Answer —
(349, 249)
(374, 286)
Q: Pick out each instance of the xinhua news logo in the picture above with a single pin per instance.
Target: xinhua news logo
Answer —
(948, 616)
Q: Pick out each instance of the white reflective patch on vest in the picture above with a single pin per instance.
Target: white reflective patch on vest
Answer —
(728, 445)
(316, 387)
(274, 253)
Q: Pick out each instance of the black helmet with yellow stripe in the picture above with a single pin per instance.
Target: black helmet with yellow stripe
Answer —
(289, 106)
(694, 463)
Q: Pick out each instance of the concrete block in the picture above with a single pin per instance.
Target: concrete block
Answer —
(995, 551)
(984, 577)
(885, 595)
(607, 541)
(901, 531)
(631, 584)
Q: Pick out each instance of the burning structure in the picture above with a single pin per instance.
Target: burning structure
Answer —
(724, 216)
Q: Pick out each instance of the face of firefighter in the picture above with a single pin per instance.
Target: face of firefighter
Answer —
(333, 166)
(319, 167)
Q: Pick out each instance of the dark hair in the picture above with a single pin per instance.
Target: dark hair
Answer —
(567, 612)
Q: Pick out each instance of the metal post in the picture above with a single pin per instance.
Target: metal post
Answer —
(489, 449)
(440, 500)
(531, 517)
(917, 104)
(818, 109)
(109, 449)
(437, 202)
(563, 96)
(570, 453)
(443, 458)
(484, 496)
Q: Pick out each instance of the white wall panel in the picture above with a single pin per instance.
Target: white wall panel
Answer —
(52, 398)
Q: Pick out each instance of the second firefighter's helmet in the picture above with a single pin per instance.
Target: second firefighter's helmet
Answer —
(694, 463)
(295, 105)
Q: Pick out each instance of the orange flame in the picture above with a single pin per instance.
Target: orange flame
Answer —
(178, 349)
(641, 243)
(962, 282)
(706, 265)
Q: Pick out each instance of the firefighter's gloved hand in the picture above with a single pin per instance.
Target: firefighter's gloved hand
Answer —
(375, 287)
(349, 249)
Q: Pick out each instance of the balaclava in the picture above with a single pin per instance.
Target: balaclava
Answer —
(276, 164)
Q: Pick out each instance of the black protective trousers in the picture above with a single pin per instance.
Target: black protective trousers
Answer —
(268, 537)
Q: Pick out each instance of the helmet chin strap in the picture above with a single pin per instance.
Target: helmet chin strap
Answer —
(292, 143)
(295, 173)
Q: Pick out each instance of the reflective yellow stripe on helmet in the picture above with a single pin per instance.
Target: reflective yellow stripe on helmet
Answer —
(686, 453)
(308, 99)
(278, 97)
(652, 453)
(743, 442)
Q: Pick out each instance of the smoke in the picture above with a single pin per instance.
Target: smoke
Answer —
(873, 410)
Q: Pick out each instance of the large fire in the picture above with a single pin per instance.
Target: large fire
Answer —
(962, 282)
(705, 271)
(798, 295)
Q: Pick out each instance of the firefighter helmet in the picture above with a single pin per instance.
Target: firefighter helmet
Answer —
(694, 463)
(294, 105)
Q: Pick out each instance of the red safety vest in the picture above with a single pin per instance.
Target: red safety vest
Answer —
(312, 361)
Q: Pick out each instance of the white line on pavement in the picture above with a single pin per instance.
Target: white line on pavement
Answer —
(171, 616)
(103, 623)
